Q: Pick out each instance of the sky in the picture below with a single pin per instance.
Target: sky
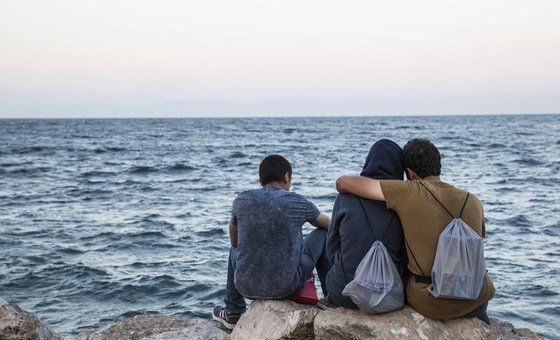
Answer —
(67, 58)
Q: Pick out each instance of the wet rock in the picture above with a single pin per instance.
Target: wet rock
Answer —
(276, 319)
(16, 323)
(144, 327)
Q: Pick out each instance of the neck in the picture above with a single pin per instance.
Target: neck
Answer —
(274, 185)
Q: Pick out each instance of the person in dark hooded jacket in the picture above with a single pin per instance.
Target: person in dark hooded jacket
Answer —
(350, 235)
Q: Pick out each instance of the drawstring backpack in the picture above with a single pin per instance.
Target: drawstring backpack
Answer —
(377, 286)
(459, 267)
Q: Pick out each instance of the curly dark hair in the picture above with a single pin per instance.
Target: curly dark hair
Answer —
(421, 156)
(273, 168)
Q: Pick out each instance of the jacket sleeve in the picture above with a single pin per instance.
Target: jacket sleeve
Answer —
(333, 234)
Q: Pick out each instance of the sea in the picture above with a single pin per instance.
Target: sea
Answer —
(104, 219)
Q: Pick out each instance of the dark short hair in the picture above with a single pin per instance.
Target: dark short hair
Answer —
(273, 168)
(422, 157)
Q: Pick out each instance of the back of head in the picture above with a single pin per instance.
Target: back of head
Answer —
(422, 157)
(273, 168)
(384, 161)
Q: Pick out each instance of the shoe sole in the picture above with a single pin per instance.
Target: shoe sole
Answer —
(224, 322)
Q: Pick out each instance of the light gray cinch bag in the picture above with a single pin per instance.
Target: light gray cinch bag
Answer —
(459, 268)
(377, 286)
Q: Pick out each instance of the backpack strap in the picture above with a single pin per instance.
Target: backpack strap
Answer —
(371, 228)
(450, 214)
(434, 196)
(464, 204)
(415, 260)
(369, 223)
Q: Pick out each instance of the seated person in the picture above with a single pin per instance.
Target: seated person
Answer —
(350, 234)
(269, 258)
(420, 203)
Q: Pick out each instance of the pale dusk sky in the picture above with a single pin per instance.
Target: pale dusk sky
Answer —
(244, 58)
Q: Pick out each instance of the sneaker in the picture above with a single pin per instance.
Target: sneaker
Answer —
(229, 320)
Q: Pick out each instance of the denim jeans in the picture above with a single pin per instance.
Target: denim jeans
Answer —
(313, 255)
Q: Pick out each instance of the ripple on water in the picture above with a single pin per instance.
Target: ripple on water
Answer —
(180, 167)
(142, 170)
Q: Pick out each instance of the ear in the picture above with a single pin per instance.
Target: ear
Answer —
(410, 174)
(287, 178)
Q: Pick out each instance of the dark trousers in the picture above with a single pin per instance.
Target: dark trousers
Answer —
(480, 312)
(314, 255)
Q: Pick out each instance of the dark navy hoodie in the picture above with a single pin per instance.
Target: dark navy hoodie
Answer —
(350, 236)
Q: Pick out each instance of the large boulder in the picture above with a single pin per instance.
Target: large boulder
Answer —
(290, 320)
(144, 327)
(406, 323)
(276, 319)
(16, 323)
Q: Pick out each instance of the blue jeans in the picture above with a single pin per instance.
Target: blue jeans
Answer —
(314, 255)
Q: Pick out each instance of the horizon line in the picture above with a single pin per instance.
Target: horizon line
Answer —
(122, 117)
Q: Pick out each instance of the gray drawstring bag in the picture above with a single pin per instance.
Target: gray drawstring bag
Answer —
(377, 286)
(459, 268)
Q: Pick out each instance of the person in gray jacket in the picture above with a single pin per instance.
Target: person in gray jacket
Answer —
(357, 222)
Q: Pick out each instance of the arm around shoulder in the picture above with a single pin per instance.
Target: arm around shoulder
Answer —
(360, 186)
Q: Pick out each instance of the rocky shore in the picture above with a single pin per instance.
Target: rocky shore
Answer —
(272, 320)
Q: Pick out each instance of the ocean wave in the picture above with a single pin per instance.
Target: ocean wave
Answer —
(98, 173)
(541, 291)
(11, 165)
(184, 215)
(521, 222)
(57, 274)
(129, 182)
(153, 223)
(496, 146)
(70, 251)
(554, 310)
(146, 288)
(31, 149)
(142, 169)
(82, 136)
(88, 193)
(109, 235)
(210, 232)
(179, 167)
(528, 161)
(146, 234)
(150, 265)
(30, 171)
(109, 149)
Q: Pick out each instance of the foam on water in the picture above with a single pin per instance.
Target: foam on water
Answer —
(104, 219)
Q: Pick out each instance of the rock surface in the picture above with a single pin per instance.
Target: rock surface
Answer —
(272, 320)
(281, 319)
(16, 323)
(143, 327)
(342, 323)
